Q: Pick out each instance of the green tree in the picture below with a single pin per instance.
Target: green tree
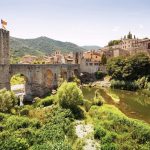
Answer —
(114, 42)
(129, 36)
(7, 100)
(130, 68)
(69, 95)
(104, 59)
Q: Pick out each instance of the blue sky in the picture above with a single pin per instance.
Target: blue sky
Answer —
(84, 22)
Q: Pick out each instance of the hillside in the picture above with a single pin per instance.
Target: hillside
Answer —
(39, 46)
(91, 47)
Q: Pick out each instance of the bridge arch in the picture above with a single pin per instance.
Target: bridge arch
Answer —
(22, 86)
(64, 74)
(48, 78)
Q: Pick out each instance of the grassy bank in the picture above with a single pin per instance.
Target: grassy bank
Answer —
(115, 131)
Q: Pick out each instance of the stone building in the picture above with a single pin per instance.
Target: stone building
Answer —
(89, 61)
(128, 46)
(120, 52)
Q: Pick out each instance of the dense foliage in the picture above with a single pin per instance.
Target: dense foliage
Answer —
(25, 133)
(115, 131)
(47, 101)
(7, 100)
(114, 42)
(99, 75)
(103, 59)
(69, 95)
(130, 69)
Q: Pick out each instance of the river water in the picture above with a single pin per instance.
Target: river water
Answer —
(133, 104)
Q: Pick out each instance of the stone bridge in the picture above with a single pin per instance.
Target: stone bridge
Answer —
(40, 79)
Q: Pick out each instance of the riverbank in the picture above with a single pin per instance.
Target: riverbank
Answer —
(133, 104)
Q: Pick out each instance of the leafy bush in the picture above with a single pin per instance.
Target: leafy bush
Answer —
(141, 82)
(144, 82)
(58, 127)
(46, 101)
(98, 99)
(62, 117)
(78, 112)
(12, 143)
(148, 85)
(2, 116)
(16, 122)
(109, 138)
(99, 132)
(7, 100)
(24, 111)
(75, 79)
(99, 75)
(51, 132)
(109, 146)
(124, 85)
(87, 104)
(52, 146)
(69, 95)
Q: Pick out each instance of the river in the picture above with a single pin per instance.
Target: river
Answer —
(133, 104)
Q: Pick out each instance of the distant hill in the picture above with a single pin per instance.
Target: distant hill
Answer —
(40, 46)
(91, 47)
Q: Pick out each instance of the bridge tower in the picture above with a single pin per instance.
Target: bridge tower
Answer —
(4, 59)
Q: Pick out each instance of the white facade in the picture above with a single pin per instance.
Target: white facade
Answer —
(88, 66)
